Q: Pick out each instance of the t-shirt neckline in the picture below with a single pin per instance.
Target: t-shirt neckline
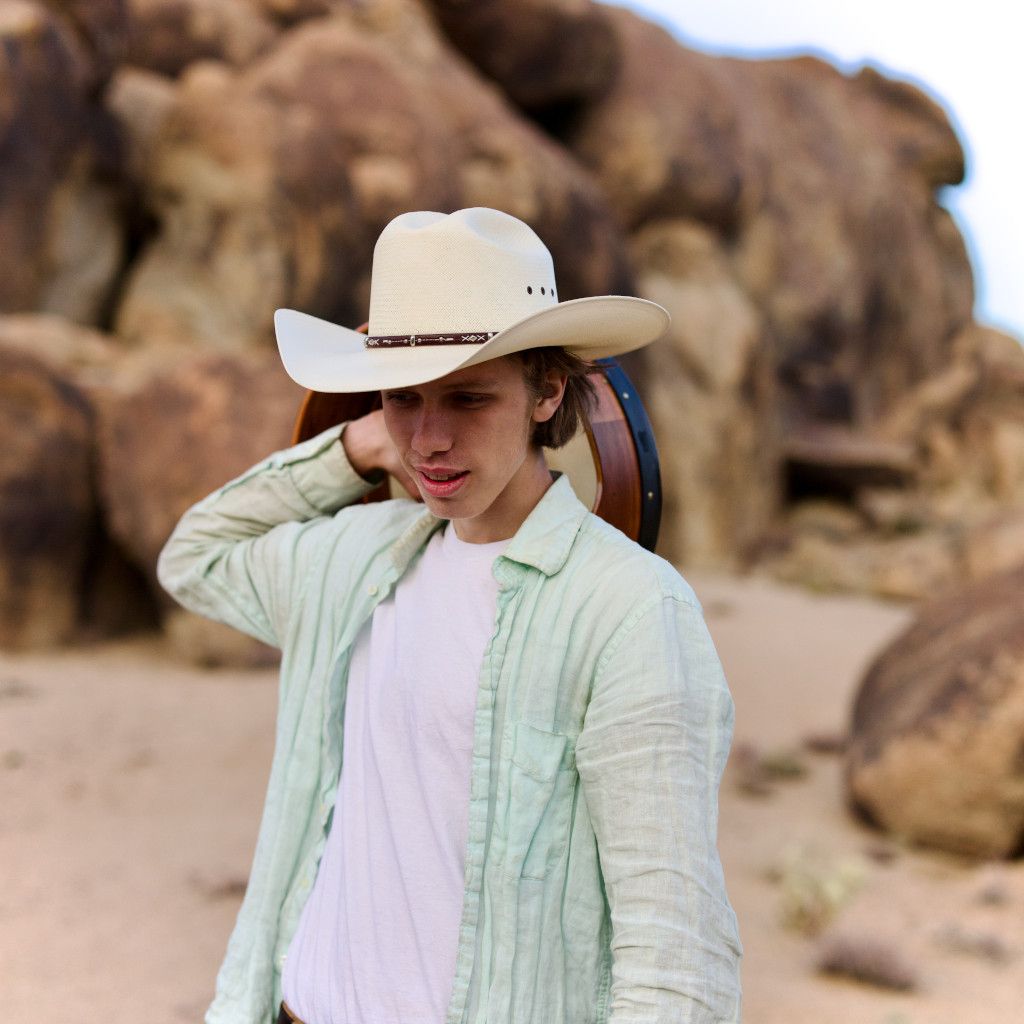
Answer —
(453, 544)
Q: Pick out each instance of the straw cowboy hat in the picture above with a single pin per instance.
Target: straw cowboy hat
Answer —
(451, 290)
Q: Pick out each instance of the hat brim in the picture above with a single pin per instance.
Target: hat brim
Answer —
(323, 356)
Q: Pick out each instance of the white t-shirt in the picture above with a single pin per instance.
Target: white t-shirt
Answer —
(377, 939)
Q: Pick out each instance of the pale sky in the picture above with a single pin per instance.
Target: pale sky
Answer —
(966, 56)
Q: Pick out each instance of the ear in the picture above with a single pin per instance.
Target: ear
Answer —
(554, 392)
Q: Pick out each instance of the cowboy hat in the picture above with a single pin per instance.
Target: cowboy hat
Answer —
(452, 290)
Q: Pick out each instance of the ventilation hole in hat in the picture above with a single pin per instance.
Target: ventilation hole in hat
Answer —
(529, 289)
(542, 291)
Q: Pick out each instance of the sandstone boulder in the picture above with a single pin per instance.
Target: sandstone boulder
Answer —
(288, 12)
(102, 28)
(822, 187)
(168, 35)
(994, 545)
(665, 139)
(64, 579)
(47, 503)
(108, 448)
(271, 184)
(846, 228)
(937, 734)
(836, 554)
(59, 218)
(86, 355)
(175, 434)
(967, 424)
(893, 543)
(940, 482)
(541, 52)
(139, 102)
(709, 392)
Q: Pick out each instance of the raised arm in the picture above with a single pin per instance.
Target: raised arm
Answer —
(239, 554)
(650, 756)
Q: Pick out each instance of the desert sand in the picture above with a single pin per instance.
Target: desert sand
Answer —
(131, 788)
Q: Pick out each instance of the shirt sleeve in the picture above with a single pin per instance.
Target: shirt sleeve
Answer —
(240, 554)
(650, 756)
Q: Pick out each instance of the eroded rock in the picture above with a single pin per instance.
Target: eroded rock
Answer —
(937, 732)
(59, 218)
(48, 510)
(821, 185)
(64, 578)
(271, 185)
(541, 52)
(709, 391)
(665, 139)
(168, 35)
(178, 432)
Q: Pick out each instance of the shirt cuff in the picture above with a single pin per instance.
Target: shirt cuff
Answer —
(322, 473)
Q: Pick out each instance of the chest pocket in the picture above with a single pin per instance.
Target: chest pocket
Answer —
(541, 787)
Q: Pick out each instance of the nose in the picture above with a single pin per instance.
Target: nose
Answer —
(432, 432)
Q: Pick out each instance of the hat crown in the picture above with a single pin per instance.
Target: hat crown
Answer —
(476, 269)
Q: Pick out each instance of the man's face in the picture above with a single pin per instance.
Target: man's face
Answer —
(464, 439)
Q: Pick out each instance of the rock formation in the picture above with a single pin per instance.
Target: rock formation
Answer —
(542, 54)
(952, 508)
(937, 738)
(47, 506)
(173, 170)
(62, 576)
(190, 425)
(63, 243)
(271, 184)
(167, 36)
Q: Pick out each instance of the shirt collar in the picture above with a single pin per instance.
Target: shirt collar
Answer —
(543, 541)
(547, 534)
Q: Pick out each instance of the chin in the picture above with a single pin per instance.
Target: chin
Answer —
(441, 506)
(452, 508)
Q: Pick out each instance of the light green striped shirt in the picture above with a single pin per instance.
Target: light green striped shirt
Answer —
(594, 893)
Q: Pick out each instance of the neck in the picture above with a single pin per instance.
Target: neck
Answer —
(517, 501)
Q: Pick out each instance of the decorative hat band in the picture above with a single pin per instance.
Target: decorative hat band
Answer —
(413, 340)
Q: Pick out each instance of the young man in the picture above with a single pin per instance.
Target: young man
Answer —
(531, 714)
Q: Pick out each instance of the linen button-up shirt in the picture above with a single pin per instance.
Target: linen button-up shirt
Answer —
(594, 893)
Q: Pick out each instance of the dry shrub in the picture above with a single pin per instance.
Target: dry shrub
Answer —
(755, 770)
(868, 959)
(826, 742)
(814, 888)
(984, 945)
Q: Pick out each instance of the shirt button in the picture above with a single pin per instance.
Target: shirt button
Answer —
(372, 590)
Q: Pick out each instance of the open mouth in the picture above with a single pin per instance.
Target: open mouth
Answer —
(441, 485)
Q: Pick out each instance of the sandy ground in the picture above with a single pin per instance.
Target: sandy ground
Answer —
(131, 788)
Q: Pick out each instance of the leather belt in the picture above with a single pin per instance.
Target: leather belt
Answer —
(286, 1016)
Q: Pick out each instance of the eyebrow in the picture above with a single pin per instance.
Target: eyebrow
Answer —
(472, 382)
(468, 384)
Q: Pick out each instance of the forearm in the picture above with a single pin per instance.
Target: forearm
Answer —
(675, 951)
(231, 554)
(650, 757)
